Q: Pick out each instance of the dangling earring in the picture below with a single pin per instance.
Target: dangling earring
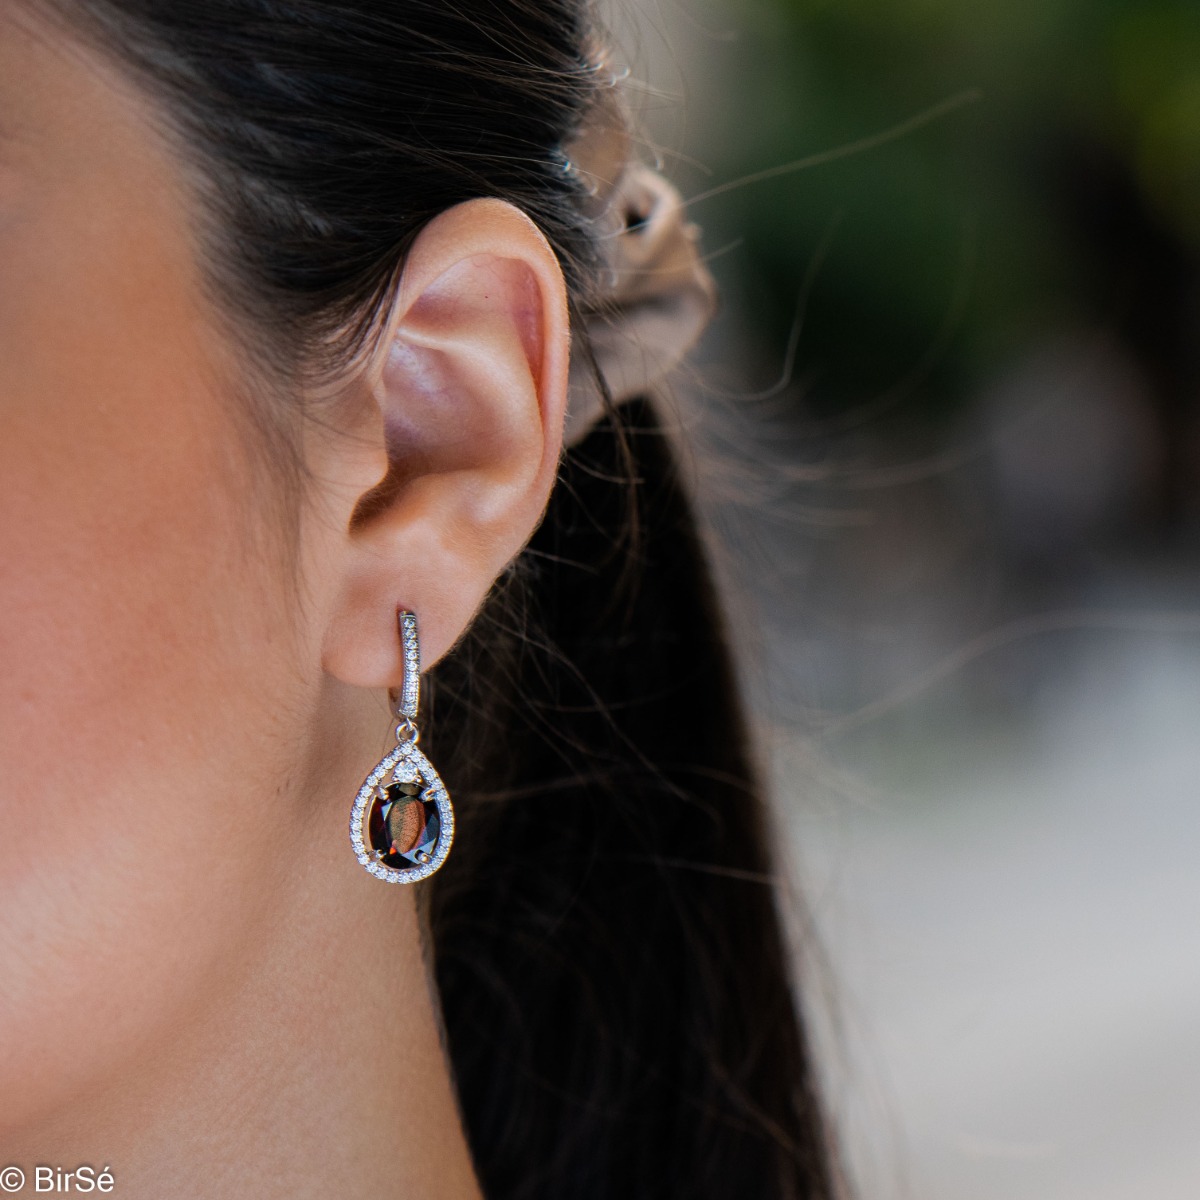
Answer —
(402, 823)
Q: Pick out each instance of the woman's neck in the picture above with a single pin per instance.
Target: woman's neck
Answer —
(313, 1066)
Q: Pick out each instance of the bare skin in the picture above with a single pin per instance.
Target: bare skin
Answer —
(199, 986)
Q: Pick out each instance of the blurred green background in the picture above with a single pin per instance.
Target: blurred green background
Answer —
(957, 242)
(1063, 194)
(945, 429)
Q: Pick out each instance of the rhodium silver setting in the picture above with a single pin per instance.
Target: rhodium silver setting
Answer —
(411, 777)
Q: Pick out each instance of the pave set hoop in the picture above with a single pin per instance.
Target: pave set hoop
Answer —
(402, 822)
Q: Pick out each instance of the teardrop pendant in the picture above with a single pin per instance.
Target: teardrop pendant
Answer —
(402, 823)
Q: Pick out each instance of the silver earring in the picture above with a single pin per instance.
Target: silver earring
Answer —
(402, 822)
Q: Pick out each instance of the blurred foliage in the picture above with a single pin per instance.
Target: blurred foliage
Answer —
(1056, 199)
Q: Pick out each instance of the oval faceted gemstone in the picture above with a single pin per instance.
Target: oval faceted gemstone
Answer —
(404, 825)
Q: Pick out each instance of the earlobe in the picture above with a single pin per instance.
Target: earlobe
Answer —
(470, 385)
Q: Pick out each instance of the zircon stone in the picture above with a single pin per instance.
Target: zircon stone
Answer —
(404, 825)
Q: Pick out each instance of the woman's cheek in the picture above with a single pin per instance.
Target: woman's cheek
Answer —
(138, 680)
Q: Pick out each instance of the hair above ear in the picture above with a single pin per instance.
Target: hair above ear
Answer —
(468, 391)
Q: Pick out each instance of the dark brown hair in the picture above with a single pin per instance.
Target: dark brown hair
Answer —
(607, 942)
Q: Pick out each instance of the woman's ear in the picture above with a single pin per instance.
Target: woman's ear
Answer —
(467, 400)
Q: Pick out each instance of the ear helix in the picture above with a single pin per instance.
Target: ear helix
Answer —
(402, 822)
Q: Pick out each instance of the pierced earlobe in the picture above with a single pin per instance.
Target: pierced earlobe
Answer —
(402, 822)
